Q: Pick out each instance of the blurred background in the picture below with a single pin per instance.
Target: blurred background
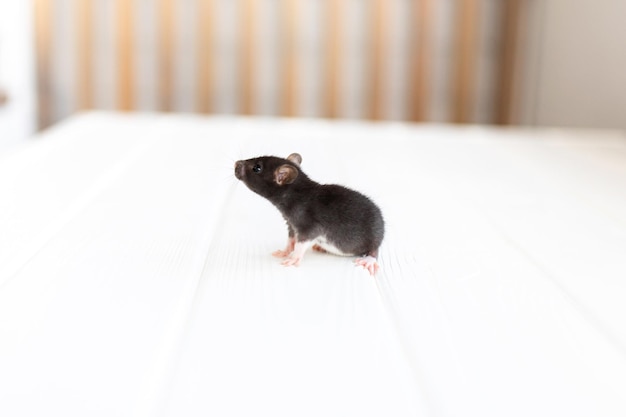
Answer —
(520, 62)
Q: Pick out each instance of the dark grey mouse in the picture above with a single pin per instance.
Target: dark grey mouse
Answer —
(327, 218)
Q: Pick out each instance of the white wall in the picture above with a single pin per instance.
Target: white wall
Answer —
(576, 72)
(17, 117)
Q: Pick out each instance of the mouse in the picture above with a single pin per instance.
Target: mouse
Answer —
(322, 217)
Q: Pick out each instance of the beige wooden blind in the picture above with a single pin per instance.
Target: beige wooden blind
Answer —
(43, 40)
(420, 37)
(125, 58)
(463, 75)
(167, 33)
(84, 39)
(376, 59)
(333, 13)
(289, 57)
(204, 53)
(247, 55)
(510, 17)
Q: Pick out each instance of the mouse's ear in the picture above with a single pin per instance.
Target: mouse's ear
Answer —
(285, 174)
(295, 158)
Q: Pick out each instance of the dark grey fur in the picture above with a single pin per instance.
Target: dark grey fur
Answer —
(346, 218)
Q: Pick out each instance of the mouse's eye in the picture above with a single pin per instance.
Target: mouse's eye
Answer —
(257, 168)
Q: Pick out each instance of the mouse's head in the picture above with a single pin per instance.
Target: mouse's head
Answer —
(269, 175)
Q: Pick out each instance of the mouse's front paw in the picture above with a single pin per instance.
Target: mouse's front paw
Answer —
(281, 253)
(369, 263)
(291, 243)
(291, 260)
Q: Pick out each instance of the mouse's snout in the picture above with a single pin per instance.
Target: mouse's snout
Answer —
(239, 169)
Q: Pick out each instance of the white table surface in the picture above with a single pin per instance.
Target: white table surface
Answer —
(136, 277)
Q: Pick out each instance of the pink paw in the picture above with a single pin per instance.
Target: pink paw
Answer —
(369, 263)
(281, 253)
(291, 242)
(292, 260)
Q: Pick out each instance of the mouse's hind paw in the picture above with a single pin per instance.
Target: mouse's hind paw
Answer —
(318, 248)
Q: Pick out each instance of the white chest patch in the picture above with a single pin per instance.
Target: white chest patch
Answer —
(329, 247)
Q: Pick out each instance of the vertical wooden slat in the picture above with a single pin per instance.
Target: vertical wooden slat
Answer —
(84, 21)
(419, 59)
(376, 85)
(124, 54)
(167, 33)
(246, 56)
(334, 16)
(43, 42)
(289, 58)
(204, 53)
(466, 40)
(511, 13)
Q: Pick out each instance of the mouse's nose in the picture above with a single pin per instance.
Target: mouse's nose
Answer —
(239, 169)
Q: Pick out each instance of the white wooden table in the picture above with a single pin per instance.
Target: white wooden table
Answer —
(136, 277)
